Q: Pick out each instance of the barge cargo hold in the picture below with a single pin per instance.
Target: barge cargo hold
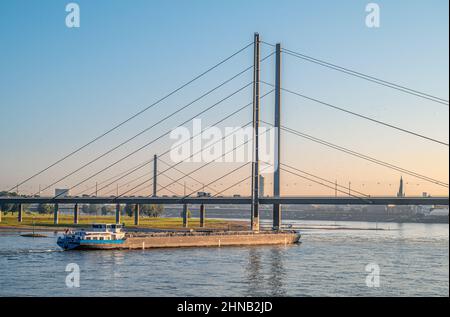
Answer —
(210, 239)
(111, 238)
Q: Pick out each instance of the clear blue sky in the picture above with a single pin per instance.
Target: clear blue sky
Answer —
(60, 87)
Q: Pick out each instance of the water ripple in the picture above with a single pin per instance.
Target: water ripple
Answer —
(413, 261)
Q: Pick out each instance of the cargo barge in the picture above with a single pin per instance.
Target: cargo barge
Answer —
(111, 237)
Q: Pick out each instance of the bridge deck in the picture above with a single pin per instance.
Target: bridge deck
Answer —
(319, 200)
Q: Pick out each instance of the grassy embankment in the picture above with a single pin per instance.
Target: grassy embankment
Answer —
(8, 221)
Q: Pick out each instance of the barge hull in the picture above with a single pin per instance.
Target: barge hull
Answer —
(209, 240)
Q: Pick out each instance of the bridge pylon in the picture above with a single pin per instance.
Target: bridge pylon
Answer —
(255, 163)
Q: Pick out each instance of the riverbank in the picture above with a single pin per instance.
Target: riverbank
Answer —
(45, 223)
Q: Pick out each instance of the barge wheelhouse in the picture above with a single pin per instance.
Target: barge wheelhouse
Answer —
(100, 236)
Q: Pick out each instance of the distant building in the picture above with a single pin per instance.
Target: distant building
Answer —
(423, 210)
(401, 192)
(62, 192)
(377, 209)
(433, 211)
(439, 212)
(261, 186)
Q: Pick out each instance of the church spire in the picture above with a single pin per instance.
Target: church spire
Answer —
(401, 192)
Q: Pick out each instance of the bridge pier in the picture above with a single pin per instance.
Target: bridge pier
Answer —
(202, 216)
(20, 212)
(136, 214)
(76, 214)
(185, 216)
(56, 214)
(117, 213)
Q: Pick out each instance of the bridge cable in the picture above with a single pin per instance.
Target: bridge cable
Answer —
(361, 116)
(221, 177)
(165, 118)
(167, 151)
(183, 173)
(383, 83)
(233, 185)
(110, 178)
(241, 181)
(364, 76)
(368, 158)
(363, 156)
(325, 180)
(149, 128)
(174, 193)
(133, 116)
(178, 163)
(173, 180)
(154, 140)
(291, 167)
(224, 154)
(325, 185)
(150, 173)
(141, 165)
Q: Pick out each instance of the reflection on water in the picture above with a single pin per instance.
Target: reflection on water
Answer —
(258, 281)
(277, 272)
(413, 259)
(254, 277)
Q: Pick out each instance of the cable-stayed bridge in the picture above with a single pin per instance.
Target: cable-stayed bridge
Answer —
(134, 180)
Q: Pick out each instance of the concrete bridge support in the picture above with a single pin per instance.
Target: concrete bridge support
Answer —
(117, 213)
(185, 216)
(20, 212)
(202, 216)
(136, 214)
(76, 214)
(56, 214)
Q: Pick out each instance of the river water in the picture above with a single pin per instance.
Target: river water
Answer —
(412, 260)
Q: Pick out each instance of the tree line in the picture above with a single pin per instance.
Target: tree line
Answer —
(128, 209)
